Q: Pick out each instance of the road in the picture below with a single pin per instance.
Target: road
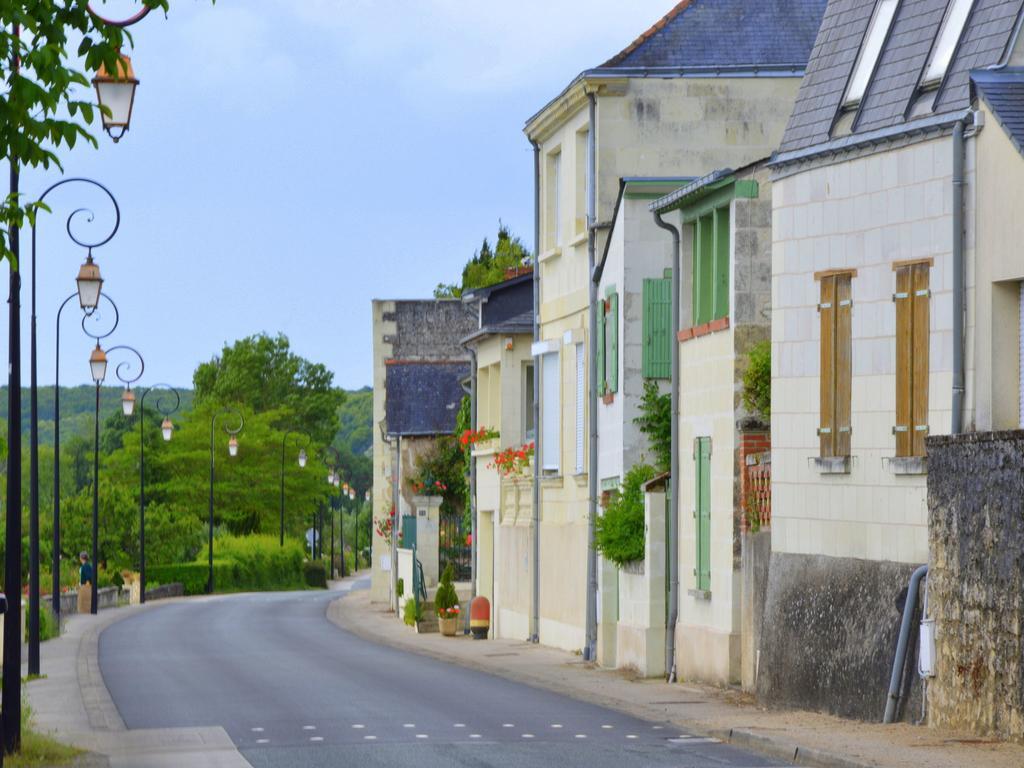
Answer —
(292, 689)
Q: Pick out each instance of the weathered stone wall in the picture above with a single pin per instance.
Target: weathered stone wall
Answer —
(829, 635)
(976, 581)
(756, 552)
(431, 330)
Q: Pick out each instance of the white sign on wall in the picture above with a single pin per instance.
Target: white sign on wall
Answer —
(385, 562)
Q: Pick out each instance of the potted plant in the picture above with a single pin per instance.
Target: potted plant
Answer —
(446, 601)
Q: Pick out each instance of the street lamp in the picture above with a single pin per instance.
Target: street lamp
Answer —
(302, 463)
(98, 366)
(128, 402)
(116, 96)
(333, 479)
(89, 284)
(232, 451)
(167, 428)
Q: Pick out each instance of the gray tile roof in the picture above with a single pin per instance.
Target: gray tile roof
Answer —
(900, 65)
(1003, 91)
(423, 398)
(706, 33)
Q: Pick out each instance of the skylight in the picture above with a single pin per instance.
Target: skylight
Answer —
(949, 36)
(870, 50)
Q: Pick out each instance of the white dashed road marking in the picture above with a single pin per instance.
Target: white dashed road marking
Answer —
(257, 730)
(581, 735)
(409, 725)
(459, 725)
(316, 738)
(474, 735)
(527, 735)
(370, 738)
(607, 727)
(631, 736)
(262, 741)
(358, 725)
(309, 727)
(508, 725)
(421, 736)
(556, 725)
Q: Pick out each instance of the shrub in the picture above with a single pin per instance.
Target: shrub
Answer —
(655, 421)
(757, 380)
(446, 600)
(315, 573)
(241, 564)
(400, 588)
(620, 530)
(191, 576)
(49, 625)
(412, 612)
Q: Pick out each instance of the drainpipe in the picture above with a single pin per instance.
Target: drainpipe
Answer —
(396, 476)
(674, 473)
(898, 664)
(472, 491)
(590, 651)
(535, 617)
(958, 277)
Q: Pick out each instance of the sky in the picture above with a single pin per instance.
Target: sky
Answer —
(291, 160)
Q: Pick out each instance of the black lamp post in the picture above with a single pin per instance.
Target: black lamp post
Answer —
(232, 452)
(333, 480)
(98, 367)
(167, 430)
(302, 463)
(90, 284)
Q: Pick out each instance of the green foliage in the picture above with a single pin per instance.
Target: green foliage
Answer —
(412, 612)
(655, 421)
(263, 374)
(355, 421)
(757, 379)
(620, 530)
(446, 597)
(488, 266)
(49, 626)
(445, 463)
(191, 576)
(315, 573)
(240, 563)
(400, 587)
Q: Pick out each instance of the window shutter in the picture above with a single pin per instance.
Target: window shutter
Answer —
(703, 486)
(904, 357)
(721, 266)
(703, 271)
(921, 333)
(844, 364)
(657, 350)
(551, 412)
(612, 373)
(601, 319)
(826, 313)
(581, 401)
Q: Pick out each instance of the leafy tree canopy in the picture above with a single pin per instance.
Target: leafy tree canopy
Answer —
(488, 266)
(262, 373)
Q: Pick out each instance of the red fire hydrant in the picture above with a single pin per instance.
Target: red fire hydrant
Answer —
(480, 617)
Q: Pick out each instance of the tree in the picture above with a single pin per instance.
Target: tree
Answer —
(262, 373)
(487, 266)
(41, 109)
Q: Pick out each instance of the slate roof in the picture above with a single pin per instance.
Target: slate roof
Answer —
(709, 33)
(892, 88)
(423, 397)
(507, 307)
(1003, 91)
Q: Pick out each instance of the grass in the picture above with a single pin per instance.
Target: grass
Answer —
(39, 750)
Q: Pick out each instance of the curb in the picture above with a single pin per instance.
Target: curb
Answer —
(783, 750)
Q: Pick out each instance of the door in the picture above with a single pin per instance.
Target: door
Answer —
(702, 477)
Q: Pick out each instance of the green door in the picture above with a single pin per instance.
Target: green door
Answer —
(408, 531)
(703, 512)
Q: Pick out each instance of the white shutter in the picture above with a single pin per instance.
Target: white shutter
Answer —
(581, 395)
(551, 411)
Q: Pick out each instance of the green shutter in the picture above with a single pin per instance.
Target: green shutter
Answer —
(702, 476)
(657, 322)
(721, 267)
(703, 270)
(600, 347)
(612, 376)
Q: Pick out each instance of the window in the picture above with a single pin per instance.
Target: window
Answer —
(529, 427)
(711, 266)
(657, 323)
(945, 45)
(553, 192)
(912, 298)
(551, 412)
(582, 173)
(702, 512)
(581, 405)
(608, 343)
(871, 48)
(834, 312)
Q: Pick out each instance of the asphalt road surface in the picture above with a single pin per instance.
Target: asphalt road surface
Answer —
(292, 689)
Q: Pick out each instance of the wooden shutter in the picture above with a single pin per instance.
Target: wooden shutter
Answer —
(612, 375)
(919, 349)
(720, 297)
(843, 364)
(657, 350)
(702, 476)
(827, 317)
(601, 320)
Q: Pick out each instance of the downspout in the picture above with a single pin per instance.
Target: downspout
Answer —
(899, 663)
(472, 490)
(590, 651)
(535, 617)
(674, 472)
(396, 479)
(958, 277)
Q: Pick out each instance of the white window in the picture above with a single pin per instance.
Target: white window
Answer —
(551, 412)
(870, 50)
(581, 402)
(949, 35)
(529, 428)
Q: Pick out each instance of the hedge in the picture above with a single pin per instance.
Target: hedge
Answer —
(315, 573)
(241, 563)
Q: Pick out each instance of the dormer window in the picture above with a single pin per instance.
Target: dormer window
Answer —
(946, 43)
(870, 50)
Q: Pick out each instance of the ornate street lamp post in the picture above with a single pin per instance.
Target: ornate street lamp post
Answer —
(232, 452)
(302, 463)
(167, 431)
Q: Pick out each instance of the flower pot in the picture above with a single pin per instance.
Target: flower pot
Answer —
(448, 626)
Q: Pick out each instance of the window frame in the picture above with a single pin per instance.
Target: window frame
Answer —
(849, 101)
(929, 83)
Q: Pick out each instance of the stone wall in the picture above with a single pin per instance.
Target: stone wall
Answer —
(976, 582)
(829, 635)
(755, 552)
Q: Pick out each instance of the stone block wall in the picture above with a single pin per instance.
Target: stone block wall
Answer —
(976, 582)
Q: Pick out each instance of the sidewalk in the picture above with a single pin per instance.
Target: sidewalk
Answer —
(802, 738)
(72, 704)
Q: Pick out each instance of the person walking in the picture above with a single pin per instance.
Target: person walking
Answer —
(86, 580)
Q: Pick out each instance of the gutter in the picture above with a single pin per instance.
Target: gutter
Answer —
(535, 618)
(674, 472)
(590, 648)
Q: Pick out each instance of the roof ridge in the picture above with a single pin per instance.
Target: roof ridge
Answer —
(681, 6)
